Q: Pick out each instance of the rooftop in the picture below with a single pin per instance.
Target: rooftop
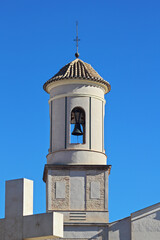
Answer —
(77, 69)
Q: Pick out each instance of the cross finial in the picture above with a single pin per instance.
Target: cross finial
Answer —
(77, 40)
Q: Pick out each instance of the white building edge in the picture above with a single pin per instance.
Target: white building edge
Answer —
(76, 174)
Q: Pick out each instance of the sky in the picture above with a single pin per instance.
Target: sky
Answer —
(121, 40)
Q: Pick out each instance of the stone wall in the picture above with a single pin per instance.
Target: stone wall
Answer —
(85, 233)
(94, 176)
(58, 203)
(146, 223)
(92, 197)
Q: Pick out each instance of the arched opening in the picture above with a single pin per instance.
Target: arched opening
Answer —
(77, 126)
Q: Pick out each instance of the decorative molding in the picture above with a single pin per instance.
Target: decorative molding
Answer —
(75, 149)
(102, 127)
(77, 216)
(63, 82)
(60, 189)
(106, 190)
(51, 126)
(74, 167)
(76, 95)
(65, 122)
(89, 122)
(95, 190)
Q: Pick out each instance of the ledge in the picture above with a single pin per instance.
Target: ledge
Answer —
(74, 167)
(86, 224)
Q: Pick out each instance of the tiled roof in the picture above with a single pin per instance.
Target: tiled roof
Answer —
(77, 69)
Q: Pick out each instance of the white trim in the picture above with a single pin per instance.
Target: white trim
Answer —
(76, 81)
(145, 211)
(76, 150)
(76, 95)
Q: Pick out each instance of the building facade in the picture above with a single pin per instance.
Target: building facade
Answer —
(76, 173)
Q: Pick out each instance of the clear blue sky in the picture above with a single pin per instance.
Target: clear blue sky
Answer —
(121, 40)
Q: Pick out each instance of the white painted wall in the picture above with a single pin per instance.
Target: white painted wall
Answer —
(96, 124)
(58, 124)
(90, 97)
(146, 223)
(19, 197)
(90, 89)
(77, 156)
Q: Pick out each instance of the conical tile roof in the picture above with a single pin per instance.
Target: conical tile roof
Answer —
(77, 69)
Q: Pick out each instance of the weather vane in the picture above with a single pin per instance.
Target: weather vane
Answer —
(77, 40)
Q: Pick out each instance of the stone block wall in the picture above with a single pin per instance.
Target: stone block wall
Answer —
(91, 187)
(93, 177)
(56, 203)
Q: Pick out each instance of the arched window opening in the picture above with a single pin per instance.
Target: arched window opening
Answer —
(77, 126)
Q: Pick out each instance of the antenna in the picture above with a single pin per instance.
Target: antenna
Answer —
(77, 40)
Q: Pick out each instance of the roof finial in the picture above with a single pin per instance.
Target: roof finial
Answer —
(77, 40)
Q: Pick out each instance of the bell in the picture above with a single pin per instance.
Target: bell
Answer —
(77, 130)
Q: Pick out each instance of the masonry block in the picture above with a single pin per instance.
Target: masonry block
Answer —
(18, 198)
(47, 225)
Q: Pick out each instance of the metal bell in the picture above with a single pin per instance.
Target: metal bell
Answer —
(77, 130)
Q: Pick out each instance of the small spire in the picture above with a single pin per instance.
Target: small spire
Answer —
(77, 40)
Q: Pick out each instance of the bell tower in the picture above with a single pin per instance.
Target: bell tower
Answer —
(76, 173)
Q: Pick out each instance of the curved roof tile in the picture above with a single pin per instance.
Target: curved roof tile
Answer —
(77, 69)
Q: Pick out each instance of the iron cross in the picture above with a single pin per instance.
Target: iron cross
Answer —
(77, 40)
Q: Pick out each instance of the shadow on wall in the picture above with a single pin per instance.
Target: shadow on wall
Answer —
(101, 235)
(120, 230)
(157, 217)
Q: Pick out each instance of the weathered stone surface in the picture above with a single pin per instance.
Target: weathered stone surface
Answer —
(77, 190)
(53, 202)
(94, 176)
(79, 195)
